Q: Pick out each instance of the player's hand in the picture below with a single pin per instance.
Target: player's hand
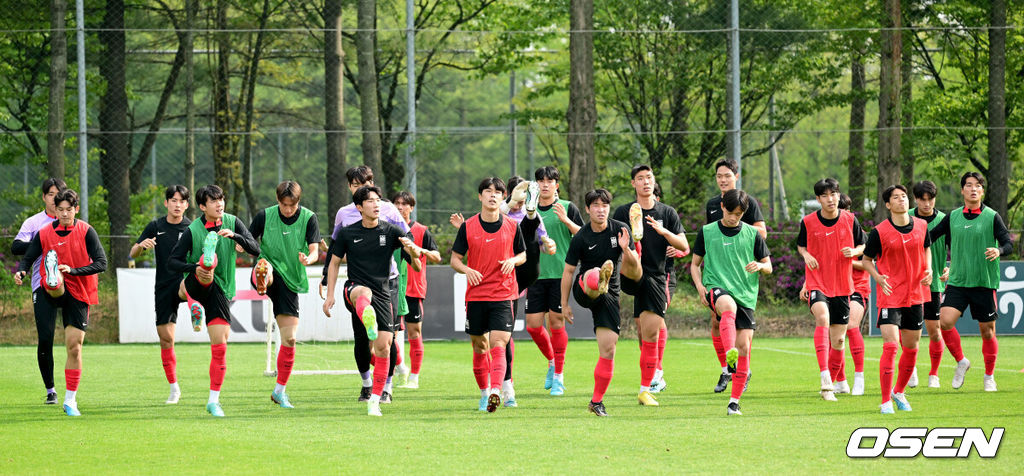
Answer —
(226, 233)
(567, 313)
(456, 220)
(17, 277)
(560, 212)
(753, 267)
(148, 243)
(328, 304)
(670, 252)
(655, 225)
(473, 277)
(323, 289)
(304, 259)
(927, 280)
(945, 274)
(204, 274)
(507, 266)
(623, 238)
(550, 247)
(847, 252)
(811, 262)
(804, 295)
(884, 284)
(992, 254)
(63, 268)
(239, 248)
(703, 293)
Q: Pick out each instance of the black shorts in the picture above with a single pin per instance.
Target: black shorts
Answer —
(73, 312)
(931, 308)
(215, 302)
(285, 301)
(744, 315)
(604, 308)
(415, 314)
(394, 296)
(543, 296)
(906, 318)
(166, 302)
(981, 300)
(838, 306)
(860, 299)
(650, 294)
(381, 305)
(485, 316)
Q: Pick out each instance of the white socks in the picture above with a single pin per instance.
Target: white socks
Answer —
(214, 396)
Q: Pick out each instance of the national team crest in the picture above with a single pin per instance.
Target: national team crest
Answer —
(383, 240)
(614, 241)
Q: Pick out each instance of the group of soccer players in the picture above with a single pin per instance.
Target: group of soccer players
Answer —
(526, 241)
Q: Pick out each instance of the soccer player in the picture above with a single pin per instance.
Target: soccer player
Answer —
(924, 196)
(902, 279)
(655, 226)
(858, 306)
(599, 250)
(160, 235)
(658, 381)
(206, 254)
(977, 238)
(44, 327)
(726, 175)
(733, 253)
(368, 246)
(561, 220)
(416, 288)
(72, 257)
(494, 246)
(829, 240)
(289, 236)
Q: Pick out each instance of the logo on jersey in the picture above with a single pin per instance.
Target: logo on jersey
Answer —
(885, 314)
(383, 240)
(591, 247)
(614, 241)
(934, 443)
(357, 240)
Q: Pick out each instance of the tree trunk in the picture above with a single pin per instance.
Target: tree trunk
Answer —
(334, 109)
(135, 174)
(369, 112)
(907, 117)
(856, 158)
(582, 111)
(250, 97)
(191, 6)
(998, 165)
(225, 164)
(113, 119)
(889, 110)
(58, 77)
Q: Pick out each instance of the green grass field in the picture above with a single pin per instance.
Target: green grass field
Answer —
(786, 428)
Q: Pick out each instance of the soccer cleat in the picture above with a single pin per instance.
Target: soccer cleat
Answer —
(411, 382)
(519, 193)
(912, 383)
(732, 356)
(605, 276)
(509, 399)
(281, 399)
(209, 258)
(961, 370)
(887, 408)
(213, 408)
(401, 375)
(260, 272)
(828, 396)
(933, 381)
(71, 408)
(550, 377)
(746, 383)
(842, 387)
(723, 382)
(733, 409)
(858, 385)
(658, 386)
(557, 388)
(597, 408)
(364, 394)
(51, 399)
(53, 276)
(197, 311)
(385, 397)
(483, 404)
(493, 402)
(532, 196)
(990, 383)
(370, 322)
(901, 402)
(646, 399)
(636, 222)
(373, 408)
(173, 397)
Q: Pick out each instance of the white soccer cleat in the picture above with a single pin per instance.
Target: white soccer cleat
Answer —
(412, 382)
(912, 383)
(519, 193)
(858, 384)
(958, 375)
(990, 383)
(173, 397)
(828, 396)
(901, 402)
(933, 381)
(532, 196)
(636, 222)
(842, 387)
(886, 408)
(373, 408)
(826, 382)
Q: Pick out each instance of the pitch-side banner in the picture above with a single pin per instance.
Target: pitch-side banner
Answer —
(1009, 304)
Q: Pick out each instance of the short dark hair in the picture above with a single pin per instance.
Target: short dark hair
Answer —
(360, 174)
(657, 191)
(639, 168)
(362, 193)
(845, 202)
(826, 185)
(546, 172)
(488, 182)
(176, 189)
(976, 175)
(599, 194)
(925, 187)
(53, 182)
(66, 195)
(404, 196)
(289, 189)
(731, 164)
(887, 193)
(734, 199)
(209, 192)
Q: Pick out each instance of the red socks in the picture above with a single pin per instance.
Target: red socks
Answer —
(952, 340)
(380, 373)
(719, 349)
(727, 328)
(855, 341)
(540, 337)
(602, 377)
(481, 369)
(559, 342)
(662, 340)
(989, 349)
(71, 378)
(218, 367)
(835, 363)
(170, 364)
(739, 378)
(820, 346)
(361, 303)
(885, 369)
(935, 352)
(416, 354)
(285, 361)
(648, 362)
(497, 367)
(907, 362)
